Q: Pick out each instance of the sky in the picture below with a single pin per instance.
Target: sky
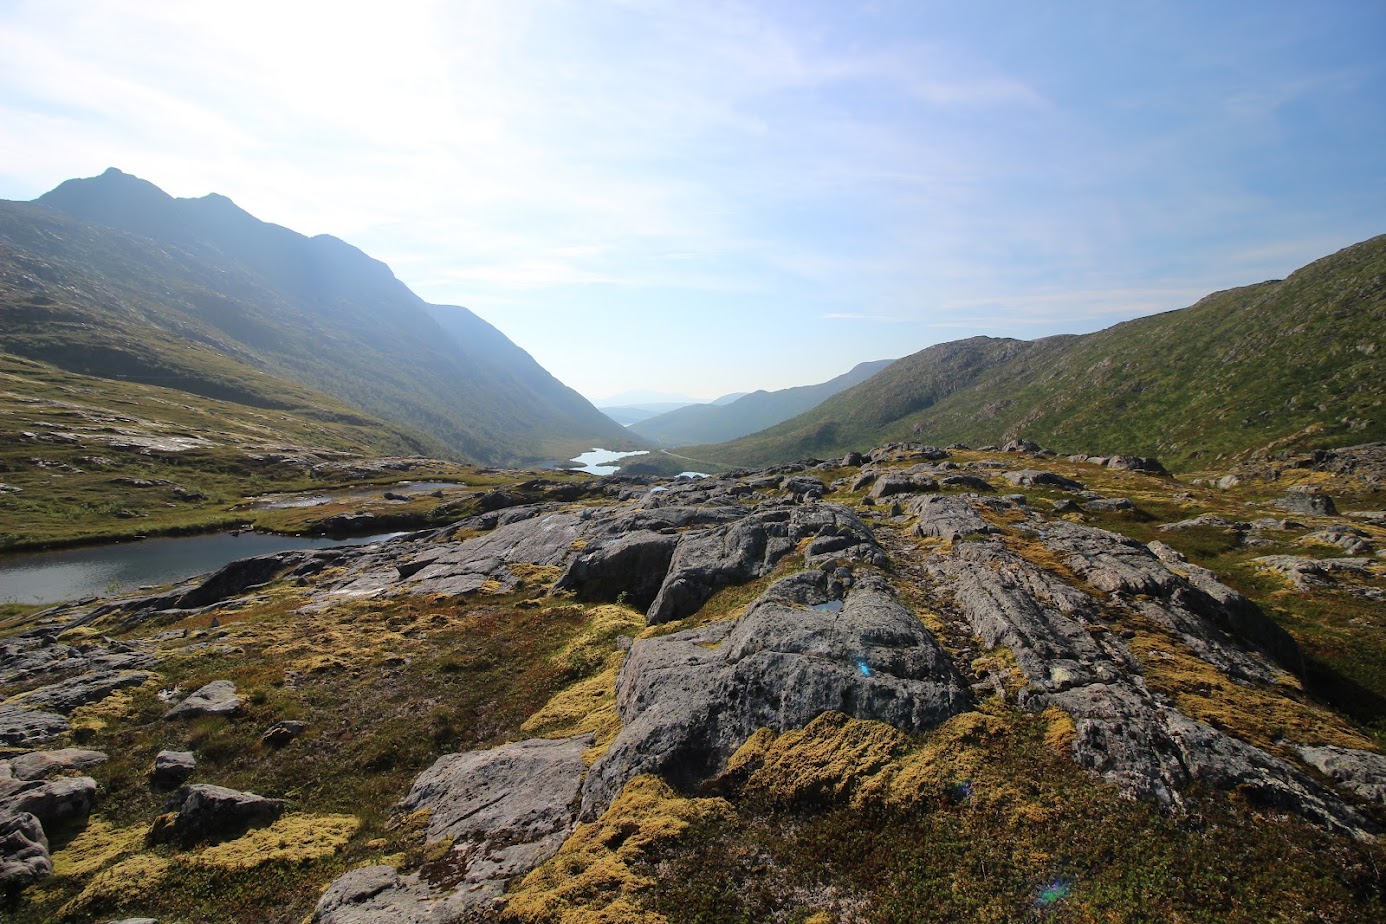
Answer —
(713, 197)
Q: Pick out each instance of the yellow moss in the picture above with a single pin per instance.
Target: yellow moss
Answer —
(319, 664)
(118, 706)
(827, 759)
(492, 587)
(532, 574)
(1259, 714)
(593, 878)
(97, 845)
(752, 751)
(1060, 730)
(586, 706)
(135, 878)
(296, 838)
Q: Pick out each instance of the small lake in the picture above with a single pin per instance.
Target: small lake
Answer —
(408, 489)
(105, 570)
(598, 461)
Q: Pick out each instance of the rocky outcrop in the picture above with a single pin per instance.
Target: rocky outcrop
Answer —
(20, 727)
(214, 813)
(948, 517)
(1307, 501)
(38, 765)
(688, 700)
(1064, 646)
(57, 804)
(1030, 476)
(23, 851)
(502, 811)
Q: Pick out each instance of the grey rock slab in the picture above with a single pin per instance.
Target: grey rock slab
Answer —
(27, 727)
(207, 813)
(900, 483)
(37, 765)
(1360, 772)
(947, 517)
(281, 733)
(687, 707)
(634, 563)
(24, 855)
(66, 695)
(215, 698)
(1308, 502)
(377, 895)
(506, 809)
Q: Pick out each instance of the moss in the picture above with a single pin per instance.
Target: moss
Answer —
(130, 880)
(597, 877)
(1060, 731)
(1262, 715)
(98, 844)
(588, 706)
(531, 575)
(296, 838)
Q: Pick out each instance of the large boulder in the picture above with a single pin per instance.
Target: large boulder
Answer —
(62, 803)
(689, 699)
(1030, 476)
(1308, 501)
(215, 813)
(20, 727)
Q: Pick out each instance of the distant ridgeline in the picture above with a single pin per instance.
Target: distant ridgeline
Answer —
(110, 276)
(1293, 362)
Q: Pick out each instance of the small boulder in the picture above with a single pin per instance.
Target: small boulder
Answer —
(1137, 464)
(852, 460)
(214, 813)
(172, 768)
(216, 698)
(1031, 477)
(281, 733)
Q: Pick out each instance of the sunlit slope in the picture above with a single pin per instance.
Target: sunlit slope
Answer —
(1295, 359)
(110, 276)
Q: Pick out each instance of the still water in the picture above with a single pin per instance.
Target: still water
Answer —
(72, 574)
(598, 461)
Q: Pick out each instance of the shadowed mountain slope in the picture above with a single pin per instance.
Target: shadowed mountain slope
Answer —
(1291, 360)
(110, 276)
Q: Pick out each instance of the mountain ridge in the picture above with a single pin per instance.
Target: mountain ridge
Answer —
(166, 276)
(1237, 370)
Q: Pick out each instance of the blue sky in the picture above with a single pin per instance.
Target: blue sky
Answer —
(713, 197)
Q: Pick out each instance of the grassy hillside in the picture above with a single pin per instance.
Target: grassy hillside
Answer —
(720, 421)
(111, 277)
(1289, 360)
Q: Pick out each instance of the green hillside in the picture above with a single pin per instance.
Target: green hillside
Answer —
(1292, 360)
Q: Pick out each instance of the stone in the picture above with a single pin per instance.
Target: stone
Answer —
(967, 481)
(215, 698)
(1137, 464)
(215, 813)
(1359, 772)
(1030, 476)
(57, 804)
(1107, 505)
(1308, 501)
(901, 483)
(689, 699)
(36, 765)
(947, 517)
(281, 733)
(24, 855)
(377, 895)
(172, 768)
(67, 695)
(634, 563)
(852, 460)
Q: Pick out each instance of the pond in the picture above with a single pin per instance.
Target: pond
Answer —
(105, 570)
(408, 489)
(598, 461)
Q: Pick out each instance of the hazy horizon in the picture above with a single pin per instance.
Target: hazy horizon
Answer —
(732, 197)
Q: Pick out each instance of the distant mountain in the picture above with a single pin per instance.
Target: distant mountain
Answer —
(1293, 361)
(725, 420)
(729, 398)
(634, 413)
(110, 276)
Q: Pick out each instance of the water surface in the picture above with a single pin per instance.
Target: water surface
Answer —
(104, 570)
(597, 461)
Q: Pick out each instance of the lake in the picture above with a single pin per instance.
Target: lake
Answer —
(105, 570)
(598, 461)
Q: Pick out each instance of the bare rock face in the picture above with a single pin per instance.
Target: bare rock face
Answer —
(1030, 476)
(66, 695)
(27, 727)
(944, 516)
(1124, 732)
(686, 707)
(213, 813)
(60, 803)
(1308, 501)
(23, 851)
(506, 810)
(1359, 772)
(216, 698)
